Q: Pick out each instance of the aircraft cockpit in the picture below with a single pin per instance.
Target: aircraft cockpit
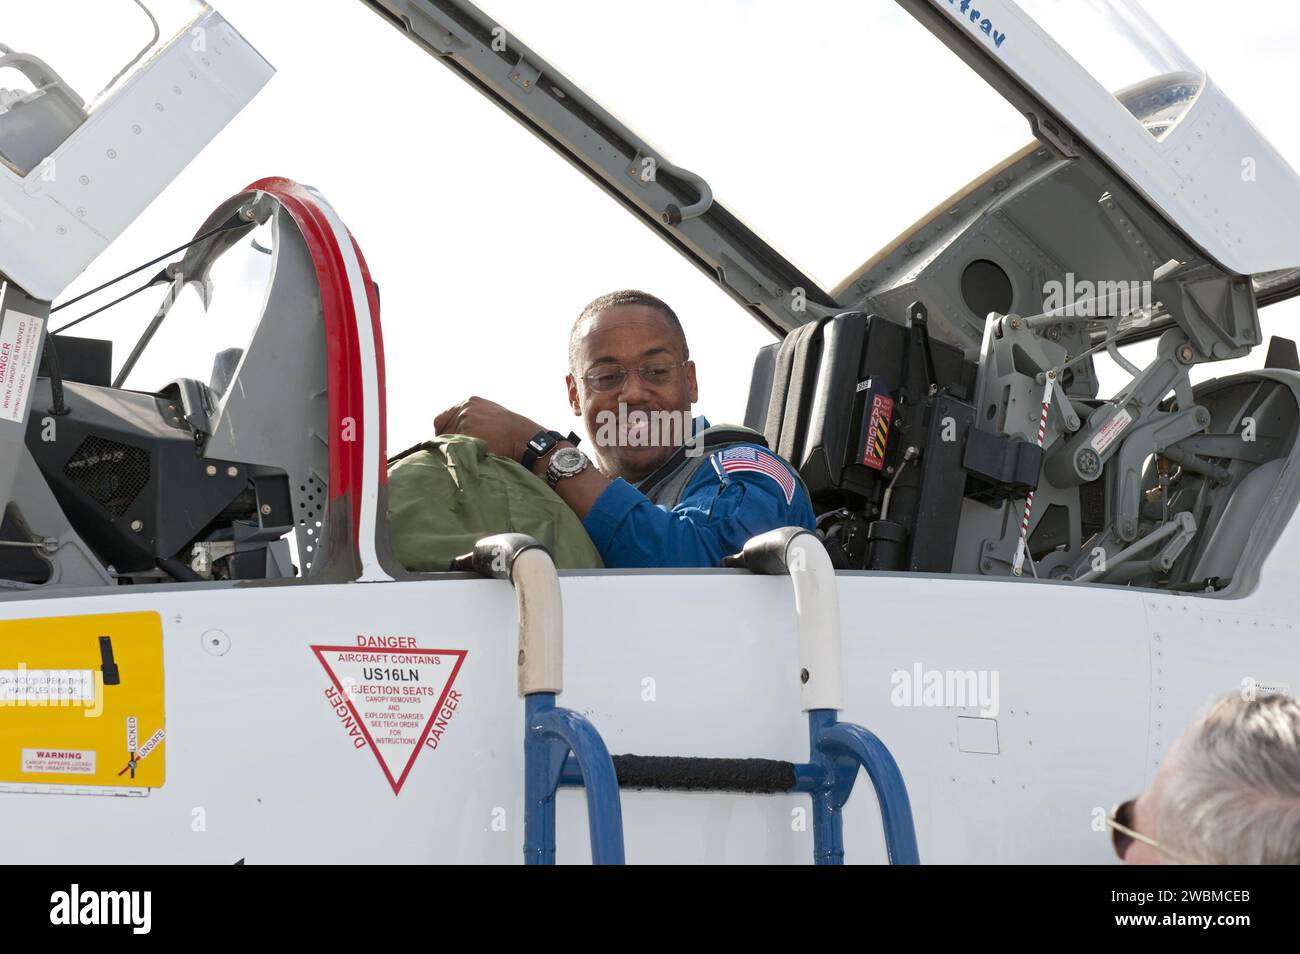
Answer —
(943, 402)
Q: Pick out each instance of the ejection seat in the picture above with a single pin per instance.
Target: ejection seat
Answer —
(813, 396)
(857, 404)
(1242, 505)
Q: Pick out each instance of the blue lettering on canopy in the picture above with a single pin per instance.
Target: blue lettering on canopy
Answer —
(984, 24)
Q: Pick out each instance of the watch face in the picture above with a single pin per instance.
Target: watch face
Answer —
(568, 460)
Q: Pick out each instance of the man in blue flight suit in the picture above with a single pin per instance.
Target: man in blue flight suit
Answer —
(666, 490)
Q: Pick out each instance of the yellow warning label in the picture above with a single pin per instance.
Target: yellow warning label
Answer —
(81, 700)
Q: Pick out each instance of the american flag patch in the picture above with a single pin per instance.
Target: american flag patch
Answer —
(739, 459)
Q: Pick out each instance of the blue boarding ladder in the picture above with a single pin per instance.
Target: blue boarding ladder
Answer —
(564, 748)
(836, 749)
(551, 734)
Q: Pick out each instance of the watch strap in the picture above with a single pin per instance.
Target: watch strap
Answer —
(542, 443)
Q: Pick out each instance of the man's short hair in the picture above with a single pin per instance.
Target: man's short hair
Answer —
(1233, 796)
(628, 296)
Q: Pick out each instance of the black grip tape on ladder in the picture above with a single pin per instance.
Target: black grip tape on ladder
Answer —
(682, 774)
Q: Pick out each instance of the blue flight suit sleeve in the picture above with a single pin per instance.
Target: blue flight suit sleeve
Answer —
(718, 511)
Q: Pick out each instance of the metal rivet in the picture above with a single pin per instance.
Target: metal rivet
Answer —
(232, 471)
(210, 470)
(137, 525)
(266, 508)
(215, 642)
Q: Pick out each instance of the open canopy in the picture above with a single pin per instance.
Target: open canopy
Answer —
(889, 124)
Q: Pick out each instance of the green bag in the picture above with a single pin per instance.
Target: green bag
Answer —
(449, 493)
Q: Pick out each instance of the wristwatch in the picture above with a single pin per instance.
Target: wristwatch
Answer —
(540, 444)
(566, 462)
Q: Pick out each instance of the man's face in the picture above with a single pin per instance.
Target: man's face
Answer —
(632, 336)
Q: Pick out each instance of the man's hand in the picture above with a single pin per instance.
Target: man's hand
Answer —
(505, 432)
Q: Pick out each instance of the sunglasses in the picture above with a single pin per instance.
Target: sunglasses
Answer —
(1122, 833)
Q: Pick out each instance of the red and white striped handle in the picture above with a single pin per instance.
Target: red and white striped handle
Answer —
(1018, 565)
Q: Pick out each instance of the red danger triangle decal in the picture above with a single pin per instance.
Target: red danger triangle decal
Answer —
(398, 700)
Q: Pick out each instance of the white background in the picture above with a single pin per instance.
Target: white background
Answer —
(829, 127)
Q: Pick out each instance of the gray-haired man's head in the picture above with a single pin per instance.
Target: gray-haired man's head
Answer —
(1229, 790)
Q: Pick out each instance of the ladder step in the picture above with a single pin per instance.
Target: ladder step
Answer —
(683, 774)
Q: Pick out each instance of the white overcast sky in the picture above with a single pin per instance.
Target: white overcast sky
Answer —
(829, 127)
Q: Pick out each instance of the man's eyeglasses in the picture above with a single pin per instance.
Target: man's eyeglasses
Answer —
(1122, 833)
(610, 377)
